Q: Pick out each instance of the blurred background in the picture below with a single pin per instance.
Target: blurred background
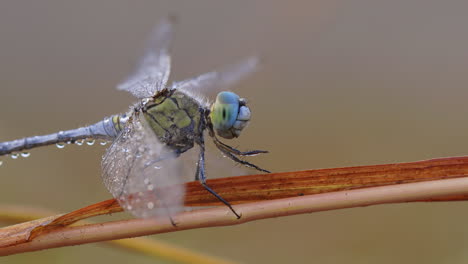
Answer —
(344, 83)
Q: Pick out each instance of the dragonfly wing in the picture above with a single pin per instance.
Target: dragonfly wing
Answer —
(141, 173)
(153, 70)
(219, 80)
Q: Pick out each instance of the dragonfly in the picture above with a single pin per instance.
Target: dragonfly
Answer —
(143, 167)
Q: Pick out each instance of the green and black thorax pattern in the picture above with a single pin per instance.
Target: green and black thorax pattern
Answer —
(176, 118)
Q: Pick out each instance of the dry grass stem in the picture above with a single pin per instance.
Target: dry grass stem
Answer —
(258, 197)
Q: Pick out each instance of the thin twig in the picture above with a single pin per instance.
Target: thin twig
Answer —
(150, 247)
(221, 216)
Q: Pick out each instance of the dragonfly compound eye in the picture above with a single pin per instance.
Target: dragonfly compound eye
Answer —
(228, 115)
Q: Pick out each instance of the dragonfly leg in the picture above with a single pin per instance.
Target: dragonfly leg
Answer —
(174, 154)
(169, 155)
(173, 223)
(163, 157)
(234, 151)
(243, 162)
(201, 177)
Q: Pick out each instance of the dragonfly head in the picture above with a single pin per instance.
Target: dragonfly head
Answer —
(229, 115)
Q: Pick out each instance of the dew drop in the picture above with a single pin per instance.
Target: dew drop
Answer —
(25, 154)
(103, 143)
(60, 145)
(1, 163)
(14, 155)
(79, 142)
(150, 205)
(156, 167)
(150, 187)
(90, 142)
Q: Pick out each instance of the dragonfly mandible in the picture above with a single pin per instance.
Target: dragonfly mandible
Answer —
(141, 167)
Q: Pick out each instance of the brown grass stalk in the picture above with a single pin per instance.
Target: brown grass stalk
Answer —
(221, 216)
(258, 197)
(151, 247)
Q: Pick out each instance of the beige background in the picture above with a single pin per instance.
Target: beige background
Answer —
(345, 83)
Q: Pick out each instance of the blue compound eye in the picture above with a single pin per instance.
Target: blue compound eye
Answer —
(224, 113)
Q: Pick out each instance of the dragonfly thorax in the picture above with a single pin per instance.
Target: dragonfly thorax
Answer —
(175, 119)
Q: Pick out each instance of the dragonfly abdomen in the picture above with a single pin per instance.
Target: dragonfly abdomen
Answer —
(106, 129)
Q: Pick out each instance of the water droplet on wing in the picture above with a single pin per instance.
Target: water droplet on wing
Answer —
(90, 142)
(25, 154)
(60, 145)
(14, 155)
(79, 142)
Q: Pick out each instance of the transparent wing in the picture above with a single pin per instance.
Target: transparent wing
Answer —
(141, 173)
(153, 70)
(219, 80)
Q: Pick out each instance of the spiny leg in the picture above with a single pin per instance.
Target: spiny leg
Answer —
(164, 157)
(174, 154)
(169, 155)
(243, 162)
(168, 213)
(234, 151)
(201, 177)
